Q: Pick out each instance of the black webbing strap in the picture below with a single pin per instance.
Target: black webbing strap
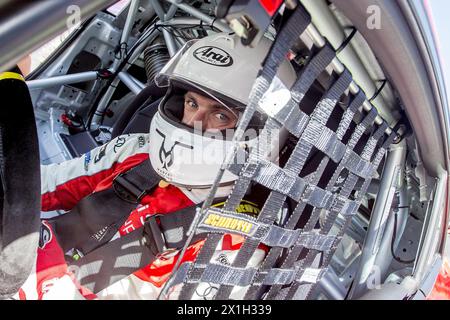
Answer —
(329, 223)
(314, 217)
(123, 256)
(275, 252)
(345, 191)
(320, 115)
(115, 260)
(97, 217)
(283, 117)
(369, 152)
(346, 158)
(294, 27)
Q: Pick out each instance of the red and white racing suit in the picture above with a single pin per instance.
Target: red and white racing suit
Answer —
(64, 184)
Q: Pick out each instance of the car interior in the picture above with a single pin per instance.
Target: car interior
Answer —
(100, 84)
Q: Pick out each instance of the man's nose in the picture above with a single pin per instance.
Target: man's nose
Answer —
(199, 117)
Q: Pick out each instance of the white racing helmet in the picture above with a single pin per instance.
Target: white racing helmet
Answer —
(218, 67)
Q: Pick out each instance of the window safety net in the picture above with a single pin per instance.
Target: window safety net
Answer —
(349, 155)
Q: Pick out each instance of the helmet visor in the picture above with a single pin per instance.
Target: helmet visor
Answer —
(176, 104)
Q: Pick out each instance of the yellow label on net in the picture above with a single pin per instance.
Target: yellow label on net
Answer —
(228, 223)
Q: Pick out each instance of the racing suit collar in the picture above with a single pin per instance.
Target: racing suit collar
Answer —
(200, 195)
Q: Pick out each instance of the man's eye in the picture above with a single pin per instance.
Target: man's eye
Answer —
(191, 104)
(222, 117)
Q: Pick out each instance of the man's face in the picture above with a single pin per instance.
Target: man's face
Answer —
(211, 114)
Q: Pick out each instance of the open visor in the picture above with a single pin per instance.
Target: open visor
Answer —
(171, 107)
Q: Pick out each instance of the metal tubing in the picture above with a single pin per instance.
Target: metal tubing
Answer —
(332, 286)
(61, 80)
(171, 45)
(158, 9)
(180, 41)
(319, 10)
(102, 105)
(429, 280)
(328, 26)
(200, 15)
(129, 81)
(434, 231)
(171, 12)
(177, 21)
(377, 225)
(134, 5)
(402, 216)
(140, 48)
(139, 83)
(337, 65)
(392, 291)
(26, 25)
(384, 256)
(170, 42)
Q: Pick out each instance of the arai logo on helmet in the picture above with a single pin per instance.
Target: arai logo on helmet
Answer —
(214, 56)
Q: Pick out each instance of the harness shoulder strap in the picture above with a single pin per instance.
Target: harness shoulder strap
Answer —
(97, 217)
(121, 257)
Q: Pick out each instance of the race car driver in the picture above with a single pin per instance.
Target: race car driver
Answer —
(209, 83)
